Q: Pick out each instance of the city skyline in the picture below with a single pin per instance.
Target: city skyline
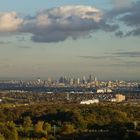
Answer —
(66, 37)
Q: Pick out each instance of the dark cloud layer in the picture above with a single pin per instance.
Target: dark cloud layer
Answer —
(126, 64)
(116, 55)
(96, 57)
(127, 54)
(118, 59)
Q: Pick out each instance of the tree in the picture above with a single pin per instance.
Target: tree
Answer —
(2, 117)
(47, 127)
(68, 129)
(1, 137)
(78, 119)
(8, 131)
(39, 126)
(27, 122)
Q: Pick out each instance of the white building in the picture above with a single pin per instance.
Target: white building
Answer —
(104, 90)
(112, 100)
(87, 102)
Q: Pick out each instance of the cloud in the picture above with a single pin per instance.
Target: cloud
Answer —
(58, 24)
(134, 32)
(117, 59)
(5, 42)
(9, 22)
(127, 64)
(24, 47)
(115, 56)
(127, 54)
(129, 16)
(96, 57)
(119, 34)
(121, 3)
(132, 15)
(77, 21)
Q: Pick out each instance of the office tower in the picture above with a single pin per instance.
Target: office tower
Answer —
(84, 80)
(71, 81)
(38, 80)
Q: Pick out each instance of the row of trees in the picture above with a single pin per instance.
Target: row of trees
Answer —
(67, 121)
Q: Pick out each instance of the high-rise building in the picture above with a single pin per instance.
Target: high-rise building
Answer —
(84, 80)
(95, 79)
(49, 80)
(38, 80)
(78, 81)
(90, 78)
(71, 81)
(109, 84)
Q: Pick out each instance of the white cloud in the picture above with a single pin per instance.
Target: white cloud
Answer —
(9, 22)
(57, 24)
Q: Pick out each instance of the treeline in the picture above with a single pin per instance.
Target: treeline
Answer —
(70, 121)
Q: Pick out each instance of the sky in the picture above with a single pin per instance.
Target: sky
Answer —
(52, 38)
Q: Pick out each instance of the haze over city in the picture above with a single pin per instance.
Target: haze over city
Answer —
(70, 37)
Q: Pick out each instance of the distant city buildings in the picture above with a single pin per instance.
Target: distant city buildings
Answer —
(83, 84)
